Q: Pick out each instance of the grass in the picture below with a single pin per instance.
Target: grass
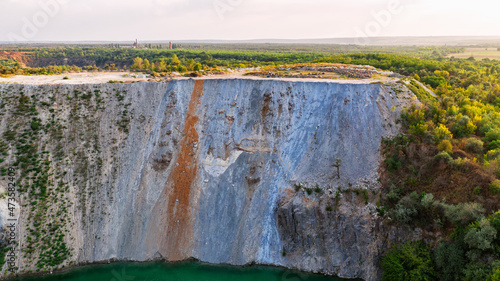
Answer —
(478, 53)
(419, 91)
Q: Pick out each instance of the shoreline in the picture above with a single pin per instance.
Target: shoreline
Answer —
(72, 267)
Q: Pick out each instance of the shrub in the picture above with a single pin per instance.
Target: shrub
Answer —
(459, 162)
(493, 154)
(444, 156)
(464, 213)
(381, 211)
(427, 201)
(408, 261)
(393, 164)
(477, 190)
(406, 209)
(403, 214)
(474, 145)
(413, 170)
(492, 135)
(433, 81)
(445, 146)
(495, 222)
(464, 127)
(412, 181)
(35, 125)
(450, 261)
(418, 129)
(481, 236)
(495, 275)
(393, 194)
(3, 251)
(441, 132)
(495, 187)
(494, 145)
(476, 271)
(329, 208)
(9, 135)
(364, 193)
(419, 91)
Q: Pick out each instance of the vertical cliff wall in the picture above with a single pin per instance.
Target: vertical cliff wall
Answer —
(223, 170)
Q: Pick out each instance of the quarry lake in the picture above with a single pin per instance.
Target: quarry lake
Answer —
(185, 271)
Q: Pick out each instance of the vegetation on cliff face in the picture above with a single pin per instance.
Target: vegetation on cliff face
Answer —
(41, 188)
(442, 174)
(49, 139)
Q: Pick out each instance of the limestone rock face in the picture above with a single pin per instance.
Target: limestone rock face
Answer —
(222, 170)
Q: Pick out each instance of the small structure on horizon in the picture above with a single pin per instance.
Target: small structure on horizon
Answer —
(136, 44)
(170, 45)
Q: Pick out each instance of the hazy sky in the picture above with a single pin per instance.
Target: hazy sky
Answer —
(56, 20)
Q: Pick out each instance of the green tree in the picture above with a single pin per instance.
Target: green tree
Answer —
(450, 260)
(175, 60)
(408, 261)
(197, 67)
(190, 64)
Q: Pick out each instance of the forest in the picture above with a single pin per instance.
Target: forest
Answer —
(56, 60)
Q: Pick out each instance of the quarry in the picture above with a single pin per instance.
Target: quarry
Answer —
(225, 170)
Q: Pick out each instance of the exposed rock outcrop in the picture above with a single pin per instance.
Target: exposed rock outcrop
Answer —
(218, 169)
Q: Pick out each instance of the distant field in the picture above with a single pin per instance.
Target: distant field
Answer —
(478, 53)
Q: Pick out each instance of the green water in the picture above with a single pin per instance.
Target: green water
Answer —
(186, 271)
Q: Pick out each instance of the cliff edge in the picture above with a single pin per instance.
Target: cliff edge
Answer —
(229, 171)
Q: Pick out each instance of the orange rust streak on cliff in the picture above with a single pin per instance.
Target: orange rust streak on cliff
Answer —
(181, 182)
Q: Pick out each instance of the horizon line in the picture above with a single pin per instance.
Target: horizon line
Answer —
(258, 39)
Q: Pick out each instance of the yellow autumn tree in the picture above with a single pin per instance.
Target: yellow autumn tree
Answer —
(137, 63)
(441, 132)
(146, 64)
